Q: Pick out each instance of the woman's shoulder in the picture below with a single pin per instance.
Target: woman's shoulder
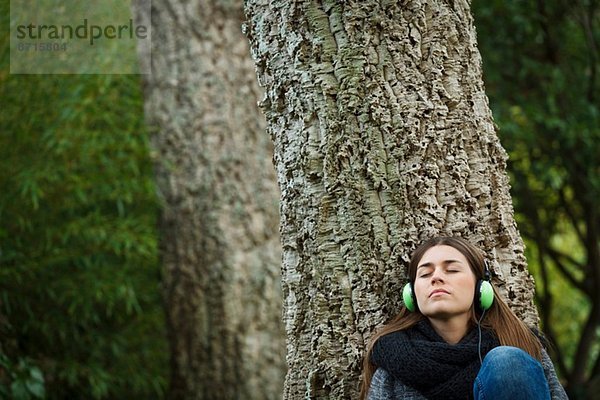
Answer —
(557, 392)
(385, 387)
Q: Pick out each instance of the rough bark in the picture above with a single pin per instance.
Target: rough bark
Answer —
(383, 137)
(219, 241)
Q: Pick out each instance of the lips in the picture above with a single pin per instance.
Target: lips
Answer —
(438, 291)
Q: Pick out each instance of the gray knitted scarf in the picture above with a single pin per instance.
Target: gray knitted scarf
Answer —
(421, 359)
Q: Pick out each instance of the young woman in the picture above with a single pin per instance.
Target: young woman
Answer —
(460, 341)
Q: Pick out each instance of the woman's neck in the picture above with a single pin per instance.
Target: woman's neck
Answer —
(451, 330)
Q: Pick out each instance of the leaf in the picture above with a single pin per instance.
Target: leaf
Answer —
(19, 390)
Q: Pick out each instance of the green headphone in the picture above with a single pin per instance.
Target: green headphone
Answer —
(484, 293)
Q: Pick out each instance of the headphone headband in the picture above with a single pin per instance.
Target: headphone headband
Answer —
(487, 275)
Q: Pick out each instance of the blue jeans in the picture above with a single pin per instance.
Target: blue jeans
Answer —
(509, 373)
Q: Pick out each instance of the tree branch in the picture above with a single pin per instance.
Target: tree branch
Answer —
(586, 21)
(546, 311)
(570, 259)
(596, 369)
(586, 341)
(567, 274)
(572, 218)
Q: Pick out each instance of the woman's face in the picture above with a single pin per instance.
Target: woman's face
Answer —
(444, 284)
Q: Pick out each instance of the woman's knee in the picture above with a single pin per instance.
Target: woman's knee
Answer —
(513, 372)
(507, 356)
(511, 364)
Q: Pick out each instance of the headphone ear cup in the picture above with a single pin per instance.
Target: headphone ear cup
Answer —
(486, 295)
(408, 297)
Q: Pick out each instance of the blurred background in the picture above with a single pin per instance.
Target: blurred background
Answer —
(80, 303)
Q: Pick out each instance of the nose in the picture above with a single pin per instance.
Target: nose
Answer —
(437, 276)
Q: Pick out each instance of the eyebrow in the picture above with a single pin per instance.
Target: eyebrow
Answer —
(445, 262)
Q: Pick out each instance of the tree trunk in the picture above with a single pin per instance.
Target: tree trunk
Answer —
(383, 138)
(219, 240)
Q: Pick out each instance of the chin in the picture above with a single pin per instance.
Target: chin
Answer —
(441, 313)
(438, 314)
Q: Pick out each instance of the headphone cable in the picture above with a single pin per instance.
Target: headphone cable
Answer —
(479, 333)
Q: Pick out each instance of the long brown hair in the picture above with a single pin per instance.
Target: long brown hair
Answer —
(509, 329)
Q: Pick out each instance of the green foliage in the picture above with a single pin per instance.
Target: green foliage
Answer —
(79, 274)
(26, 380)
(568, 301)
(540, 65)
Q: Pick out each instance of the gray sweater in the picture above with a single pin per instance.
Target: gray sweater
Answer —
(386, 387)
